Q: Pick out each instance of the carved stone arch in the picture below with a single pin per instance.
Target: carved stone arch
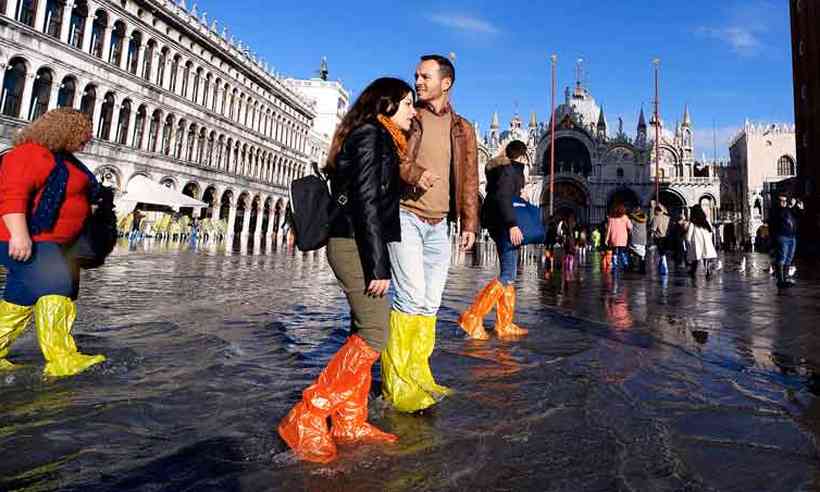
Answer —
(145, 174)
(110, 175)
(169, 182)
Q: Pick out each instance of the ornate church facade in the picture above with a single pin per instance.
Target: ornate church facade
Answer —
(596, 167)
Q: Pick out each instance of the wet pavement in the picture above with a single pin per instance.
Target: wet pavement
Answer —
(625, 383)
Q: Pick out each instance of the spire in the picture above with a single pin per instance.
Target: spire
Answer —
(533, 120)
(494, 123)
(687, 121)
(323, 71)
(641, 120)
(601, 119)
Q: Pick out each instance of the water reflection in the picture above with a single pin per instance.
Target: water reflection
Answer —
(209, 346)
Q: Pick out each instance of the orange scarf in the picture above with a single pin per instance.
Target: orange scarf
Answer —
(398, 135)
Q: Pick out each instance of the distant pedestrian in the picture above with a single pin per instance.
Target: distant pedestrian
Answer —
(658, 229)
(637, 239)
(783, 220)
(700, 242)
(617, 236)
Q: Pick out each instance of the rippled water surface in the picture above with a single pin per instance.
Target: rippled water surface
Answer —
(622, 384)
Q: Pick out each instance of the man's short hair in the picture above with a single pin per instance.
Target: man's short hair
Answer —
(515, 149)
(445, 66)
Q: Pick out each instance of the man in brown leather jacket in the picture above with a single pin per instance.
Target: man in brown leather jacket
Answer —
(441, 181)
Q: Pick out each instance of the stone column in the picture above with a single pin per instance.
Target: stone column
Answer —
(132, 126)
(40, 16)
(115, 123)
(154, 66)
(231, 223)
(246, 220)
(64, 27)
(11, 8)
(52, 98)
(28, 89)
(260, 214)
(124, 48)
(271, 219)
(140, 60)
(106, 53)
(172, 142)
(87, 31)
(95, 117)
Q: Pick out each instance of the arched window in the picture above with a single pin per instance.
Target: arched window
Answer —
(209, 156)
(228, 151)
(41, 93)
(785, 166)
(26, 10)
(163, 59)
(132, 62)
(186, 74)
(215, 99)
(148, 64)
(174, 70)
(117, 41)
(106, 115)
(13, 81)
(200, 147)
(195, 88)
(54, 17)
(220, 152)
(206, 90)
(139, 126)
(122, 125)
(65, 96)
(98, 33)
(76, 30)
(153, 130)
(189, 152)
(180, 139)
(88, 101)
(167, 131)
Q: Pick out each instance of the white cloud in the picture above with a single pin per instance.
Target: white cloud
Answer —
(464, 22)
(743, 41)
(746, 25)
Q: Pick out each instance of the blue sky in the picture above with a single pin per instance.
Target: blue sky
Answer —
(729, 60)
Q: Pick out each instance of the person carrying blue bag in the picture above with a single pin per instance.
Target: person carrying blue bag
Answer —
(511, 222)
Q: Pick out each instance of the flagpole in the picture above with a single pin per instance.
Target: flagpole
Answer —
(553, 62)
(657, 63)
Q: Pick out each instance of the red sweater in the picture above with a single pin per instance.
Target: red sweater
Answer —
(23, 175)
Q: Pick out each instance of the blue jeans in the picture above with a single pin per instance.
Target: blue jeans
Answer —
(785, 249)
(507, 261)
(47, 272)
(419, 265)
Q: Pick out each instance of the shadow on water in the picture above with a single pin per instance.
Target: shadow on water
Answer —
(624, 383)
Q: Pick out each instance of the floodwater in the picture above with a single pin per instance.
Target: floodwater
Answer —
(624, 383)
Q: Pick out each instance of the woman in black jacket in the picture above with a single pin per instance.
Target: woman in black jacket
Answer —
(363, 164)
(505, 180)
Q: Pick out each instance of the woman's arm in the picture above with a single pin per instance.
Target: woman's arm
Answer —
(364, 184)
(20, 242)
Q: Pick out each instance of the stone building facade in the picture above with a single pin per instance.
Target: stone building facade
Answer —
(172, 97)
(761, 155)
(596, 166)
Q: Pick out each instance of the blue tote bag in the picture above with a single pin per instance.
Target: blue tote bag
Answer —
(528, 218)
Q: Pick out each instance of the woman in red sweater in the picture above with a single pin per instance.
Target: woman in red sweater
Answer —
(45, 198)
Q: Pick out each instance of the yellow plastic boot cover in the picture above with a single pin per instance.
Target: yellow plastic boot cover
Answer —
(14, 320)
(408, 382)
(54, 317)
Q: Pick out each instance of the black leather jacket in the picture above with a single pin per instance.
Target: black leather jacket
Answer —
(504, 182)
(367, 171)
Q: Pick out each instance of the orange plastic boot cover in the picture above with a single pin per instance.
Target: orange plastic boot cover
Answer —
(504, 325)
(472, 320)
(349, 420)
(305, 427)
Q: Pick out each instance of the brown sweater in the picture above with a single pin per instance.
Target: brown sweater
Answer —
(434, 155)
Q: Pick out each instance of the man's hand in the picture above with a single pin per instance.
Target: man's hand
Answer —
(467, 240)
(516, 236)
(378, 288)
(427, 180)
